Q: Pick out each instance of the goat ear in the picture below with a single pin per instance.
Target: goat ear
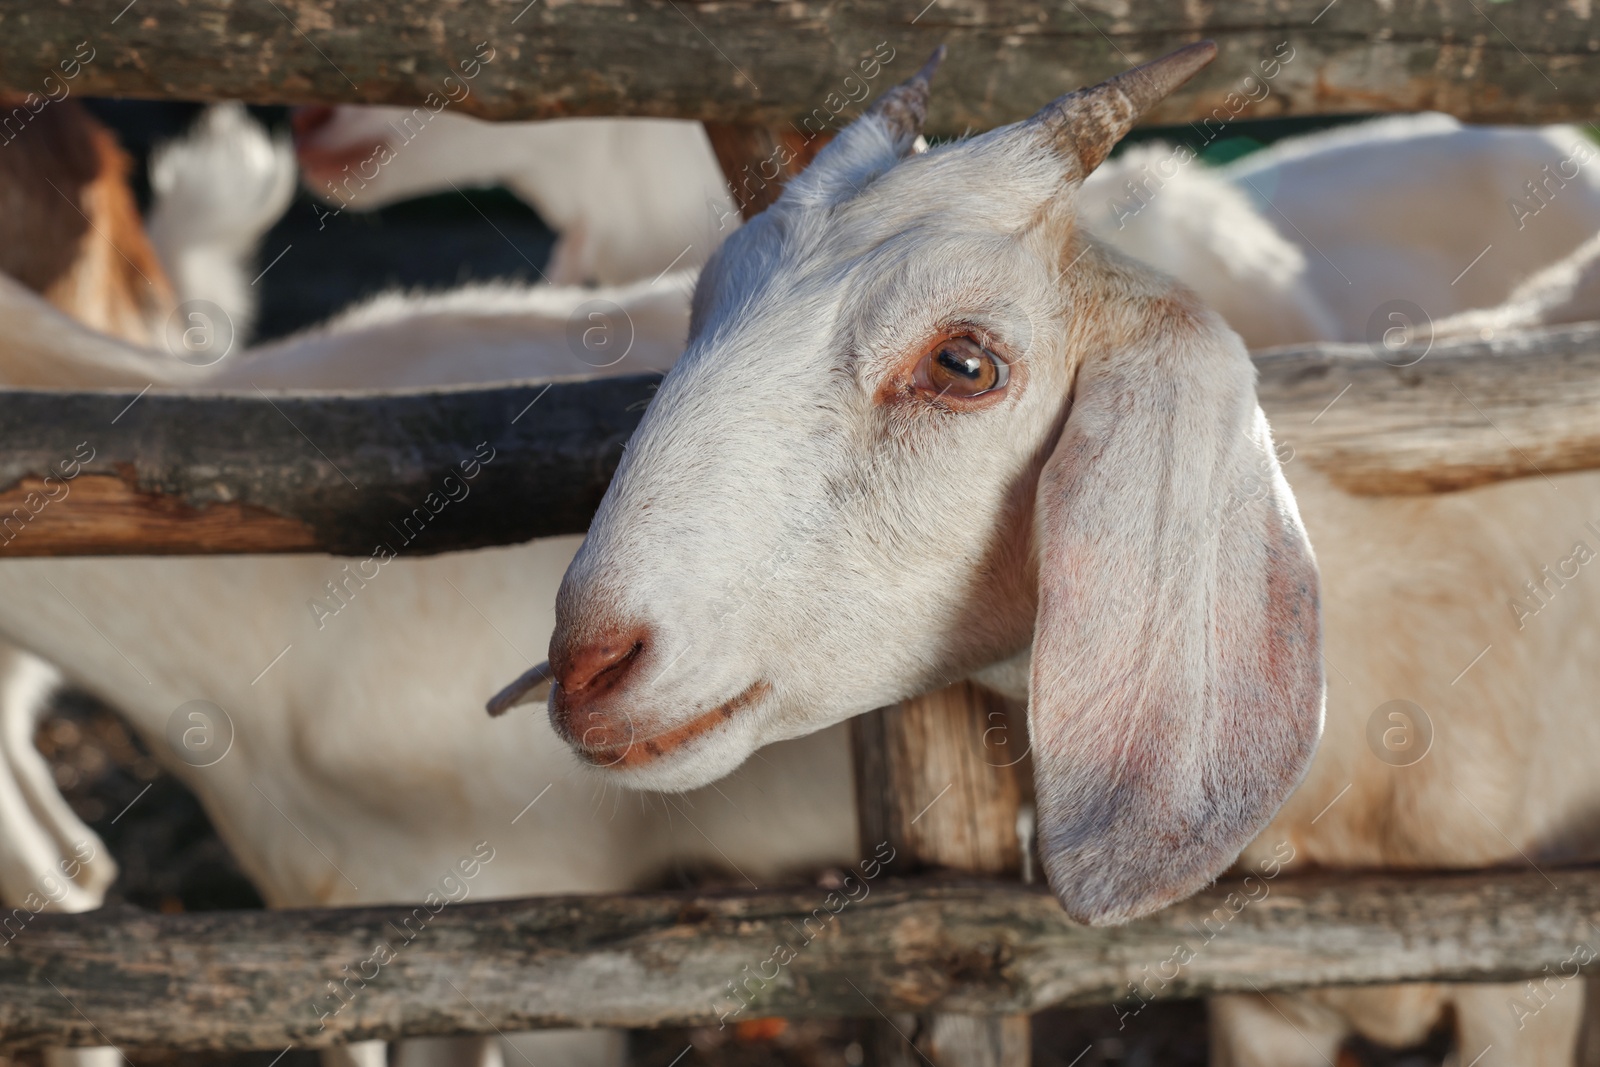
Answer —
(1176, 690)
(1084, 126)
(886, 132)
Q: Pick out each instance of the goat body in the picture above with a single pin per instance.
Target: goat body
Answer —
(1422, 209)
(69, 227)
(630, 198)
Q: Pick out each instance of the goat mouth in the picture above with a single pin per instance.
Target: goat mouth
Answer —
(640, 751)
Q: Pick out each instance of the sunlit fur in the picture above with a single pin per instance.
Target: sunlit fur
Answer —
(1564, 292)
(773, 523)
(481, 333)
(216, 191)
(1415, 589)
(1423, 208)
(630, 198)
(843, 542)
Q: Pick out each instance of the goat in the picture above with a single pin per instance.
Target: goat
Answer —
(630, 198)
(389, 815)
(69, 227)
(1202, 229)
(294, 768)
(217, 190)
(580, 174)
(81, 245)
(475, 334)
(72, 234)
(1303, 241)
(870, 480)
(391, 789)
(48, 857)
(1336, 227)
(1424, 209)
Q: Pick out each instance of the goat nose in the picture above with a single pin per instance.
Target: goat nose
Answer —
(598, 666)
(586, 672)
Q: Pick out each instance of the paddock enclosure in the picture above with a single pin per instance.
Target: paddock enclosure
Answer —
(965, 945)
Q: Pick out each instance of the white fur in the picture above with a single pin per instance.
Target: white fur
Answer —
(1564, 292)
(439, 778)
(398, 787)
(580, 175)
(1198, 226)
(629, 197)
(483, 333)
(1302, 241)
(1399, 209)
(784, 525)
(217, 190)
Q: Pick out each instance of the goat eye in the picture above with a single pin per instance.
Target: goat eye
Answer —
(960, 367)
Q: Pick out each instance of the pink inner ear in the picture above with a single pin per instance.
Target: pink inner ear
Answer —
(1177, 675)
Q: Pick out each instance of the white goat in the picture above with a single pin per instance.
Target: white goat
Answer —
(373, 810)
(480, 333)
(217, 190)
(581, 175)
(82, 247)
(401, 784)
(111, 277)
(1200, 228)
(935, 507)
(1304, 241)
(49, 858)
(630, 198)
(1424, 209)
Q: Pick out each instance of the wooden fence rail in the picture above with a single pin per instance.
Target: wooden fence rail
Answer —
(755, 62)
(317, 977)
(330, 473)
(339, 473)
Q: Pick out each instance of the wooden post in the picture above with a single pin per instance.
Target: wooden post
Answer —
(942, 779)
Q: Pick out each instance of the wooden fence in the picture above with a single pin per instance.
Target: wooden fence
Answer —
(330, 472)
(752, 61)
(267, 979)
(193, 474)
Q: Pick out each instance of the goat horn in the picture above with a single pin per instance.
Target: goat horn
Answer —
(905, 107)
(522, 691)
(1088, 123)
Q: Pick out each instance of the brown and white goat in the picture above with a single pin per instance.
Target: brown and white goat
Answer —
(69, 227)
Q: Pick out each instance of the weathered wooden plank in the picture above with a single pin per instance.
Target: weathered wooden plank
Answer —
(1465, 413)
(266, 979)
(754, 62)
(251, 473)
(340, 473)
